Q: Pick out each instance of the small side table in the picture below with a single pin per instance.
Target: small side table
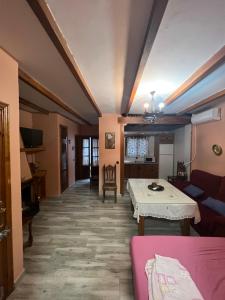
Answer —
(172, 179)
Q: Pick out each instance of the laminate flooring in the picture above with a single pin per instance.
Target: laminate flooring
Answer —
(81, 248)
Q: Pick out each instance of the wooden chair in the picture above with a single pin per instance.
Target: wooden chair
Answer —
(109, 176)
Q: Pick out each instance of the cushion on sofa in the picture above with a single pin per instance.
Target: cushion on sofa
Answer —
(208, 182)
(193, 191)
(215, 204)
(221, 193)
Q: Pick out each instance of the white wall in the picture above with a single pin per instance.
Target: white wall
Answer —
(178, 147)
(182, 146)
(187, 146)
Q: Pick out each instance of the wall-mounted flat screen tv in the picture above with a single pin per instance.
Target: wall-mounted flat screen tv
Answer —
(32, 138)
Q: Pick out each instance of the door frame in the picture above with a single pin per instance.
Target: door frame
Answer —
(94, 170)
(8, 281)
(79, 168)
(67, 173)
(80, 173)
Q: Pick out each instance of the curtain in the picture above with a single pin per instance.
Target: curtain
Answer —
(140, 146)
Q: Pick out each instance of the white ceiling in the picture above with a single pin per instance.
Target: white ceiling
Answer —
(22, 35)
(27, 92)
(190, 33)
(105, 38)
(208, 86)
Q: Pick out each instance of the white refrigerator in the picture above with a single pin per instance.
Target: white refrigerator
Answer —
(166, 157)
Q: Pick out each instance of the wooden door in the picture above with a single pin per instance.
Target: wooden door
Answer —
(6, 262)
(82, 157)
(63, 157)
(122, 142)
(94, 156)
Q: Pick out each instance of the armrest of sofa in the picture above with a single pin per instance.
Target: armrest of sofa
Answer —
(220, 220)
(219, 226)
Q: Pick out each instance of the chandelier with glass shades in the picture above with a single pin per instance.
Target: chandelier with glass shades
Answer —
(152, 115)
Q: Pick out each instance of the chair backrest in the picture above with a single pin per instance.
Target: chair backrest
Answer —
(109, 174)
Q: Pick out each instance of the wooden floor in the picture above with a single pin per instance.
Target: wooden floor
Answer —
(81, 248)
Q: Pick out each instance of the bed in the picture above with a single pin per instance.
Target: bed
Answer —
(204, 258)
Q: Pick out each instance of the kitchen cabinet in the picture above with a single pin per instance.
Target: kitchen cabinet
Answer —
(141, 170)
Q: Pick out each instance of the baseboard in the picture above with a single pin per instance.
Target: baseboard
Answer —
(19, 278)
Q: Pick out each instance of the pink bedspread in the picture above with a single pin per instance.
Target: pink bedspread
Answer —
(203, 257)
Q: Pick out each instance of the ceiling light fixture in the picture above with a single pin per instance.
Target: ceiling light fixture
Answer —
(154, 114)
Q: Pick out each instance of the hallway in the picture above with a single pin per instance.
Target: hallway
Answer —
(81, 248)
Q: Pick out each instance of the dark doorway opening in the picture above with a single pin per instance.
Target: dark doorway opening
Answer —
(87, 157)
(64, 158)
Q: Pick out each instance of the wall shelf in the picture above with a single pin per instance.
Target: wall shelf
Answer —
(32, 150)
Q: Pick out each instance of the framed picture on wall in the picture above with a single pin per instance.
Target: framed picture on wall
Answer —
(110, 140)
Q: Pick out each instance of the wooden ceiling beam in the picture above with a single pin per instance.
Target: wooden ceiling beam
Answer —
(44, 91)
(158, 9)
(205, 101)
(33, 106)
(164, 120)
(46, 19)
(208, 67)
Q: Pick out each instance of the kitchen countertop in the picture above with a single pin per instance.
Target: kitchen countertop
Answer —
(140, 163)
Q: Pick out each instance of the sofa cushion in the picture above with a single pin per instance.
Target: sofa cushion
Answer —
(193, 191)
(208, 182)
(215, 204)
(221, 193)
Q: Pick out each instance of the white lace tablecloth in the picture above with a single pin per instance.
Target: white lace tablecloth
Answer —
(169, 204)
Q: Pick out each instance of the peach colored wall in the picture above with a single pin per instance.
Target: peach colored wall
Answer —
(87, 130)
(26, 119)
(25, 170)
(50, 158)
(9, 94)
(109, 123)
(206, 135)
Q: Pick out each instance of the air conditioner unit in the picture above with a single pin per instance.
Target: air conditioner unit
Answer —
(213, 114)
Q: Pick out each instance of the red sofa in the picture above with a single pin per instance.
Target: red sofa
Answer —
(212, 223)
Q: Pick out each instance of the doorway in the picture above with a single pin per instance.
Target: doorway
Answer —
(64, 158)
(6, 260)
(94, 157)
(87, 157)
